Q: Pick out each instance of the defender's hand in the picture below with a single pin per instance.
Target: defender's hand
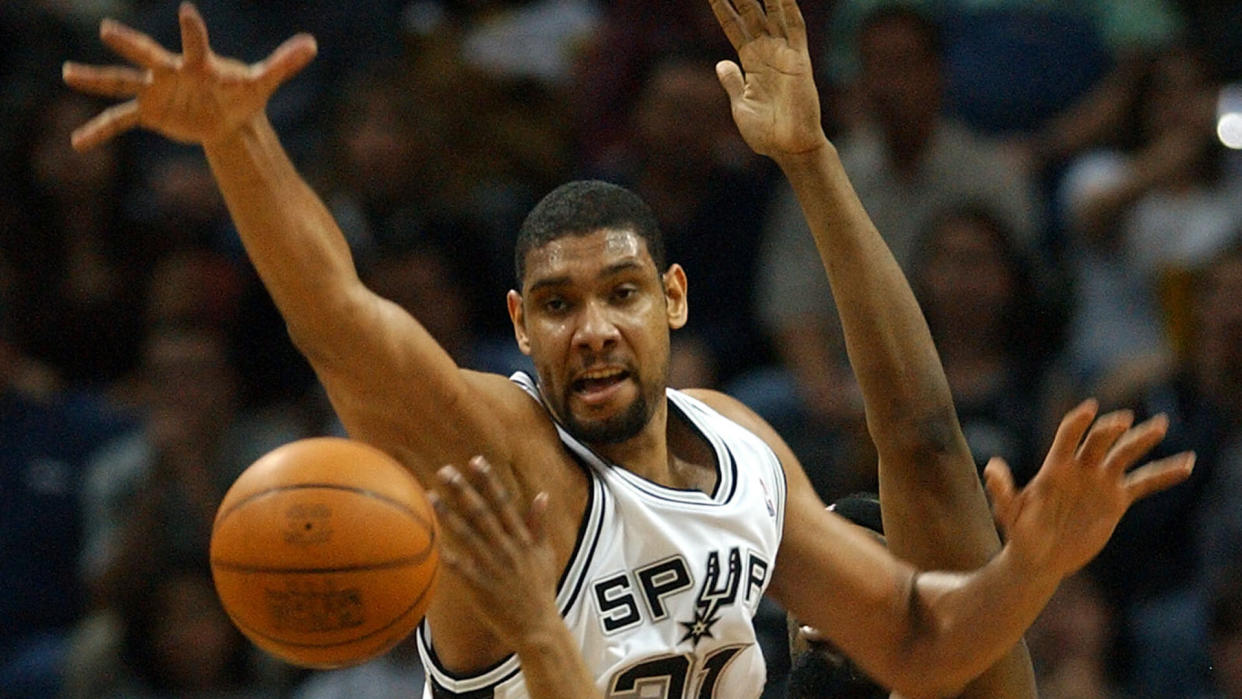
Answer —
(773, 95)
(506, 562)
(1067, 513)
(193, 97)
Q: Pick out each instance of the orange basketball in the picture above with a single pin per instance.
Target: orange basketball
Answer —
(324, 552)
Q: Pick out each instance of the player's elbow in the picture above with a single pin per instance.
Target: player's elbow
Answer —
(918, 680)
(925, 662)
(933, 440)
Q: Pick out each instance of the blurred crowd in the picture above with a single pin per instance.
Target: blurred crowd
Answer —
(1049, 174)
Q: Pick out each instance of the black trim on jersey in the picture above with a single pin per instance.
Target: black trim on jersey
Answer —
(694, 426)
(725, 464)
(423, 640)
(733, 465)
(594, 512)
(439, 691)
(640, 483)
(652, 489)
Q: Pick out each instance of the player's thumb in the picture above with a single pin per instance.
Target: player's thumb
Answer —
(730, 76)
(999, 483)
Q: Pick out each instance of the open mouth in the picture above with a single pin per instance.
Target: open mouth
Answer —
(597, 382)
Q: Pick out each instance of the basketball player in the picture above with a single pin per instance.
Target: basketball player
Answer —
(666, 509)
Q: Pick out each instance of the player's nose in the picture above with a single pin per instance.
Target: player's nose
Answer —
(596, 330)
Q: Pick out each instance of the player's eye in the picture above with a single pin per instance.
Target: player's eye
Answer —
(624, 293)
(555, 305)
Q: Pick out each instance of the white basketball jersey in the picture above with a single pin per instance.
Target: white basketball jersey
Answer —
(663, 584)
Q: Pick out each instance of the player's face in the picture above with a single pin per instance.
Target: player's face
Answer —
(594, 315)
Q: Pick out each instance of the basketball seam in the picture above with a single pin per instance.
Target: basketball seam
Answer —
(222, 515)
(385, 565)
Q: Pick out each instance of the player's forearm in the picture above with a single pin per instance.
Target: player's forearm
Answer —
(552, 665)
(1012, 677)
(964, 624)
(289, 234)
(903, 385)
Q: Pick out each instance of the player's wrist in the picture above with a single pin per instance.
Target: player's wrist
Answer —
(806, 159)
(245, 133)
(545, 636)
(1036, 568)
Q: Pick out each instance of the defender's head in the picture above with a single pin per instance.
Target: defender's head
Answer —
(820, 669)
(594, 307)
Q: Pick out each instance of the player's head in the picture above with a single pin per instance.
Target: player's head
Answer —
(594, 307)
(582, 207)
(820, 669)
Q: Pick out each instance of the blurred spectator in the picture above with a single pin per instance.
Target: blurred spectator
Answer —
(1158, 584)
(1225, 637)
(1139, 213)
(165, 637)
(997, 329)
(1049, 76)
(427, 281)
(392, 184)
(73, 253)
(169, 474)
(48, 435)
(387, 176)
(612, 70)
(1216, 363)
(1215, 24)
(530, 40)
(1071, 641)
(908, 163)
(398, 673)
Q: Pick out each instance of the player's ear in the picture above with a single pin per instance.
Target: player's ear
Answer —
(514, 300)
(675, 296)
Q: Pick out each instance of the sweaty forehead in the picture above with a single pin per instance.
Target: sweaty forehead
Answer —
(585, 255)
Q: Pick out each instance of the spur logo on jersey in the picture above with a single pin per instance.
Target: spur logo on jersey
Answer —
(713, 594)
(657, 591)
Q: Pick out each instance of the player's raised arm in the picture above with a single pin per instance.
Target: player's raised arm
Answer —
(911, 417)
(936, 515)
(372, 357)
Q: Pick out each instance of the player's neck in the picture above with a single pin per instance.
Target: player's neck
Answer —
(668, 451)
(646, 453)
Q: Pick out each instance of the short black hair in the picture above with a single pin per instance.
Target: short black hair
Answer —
(583, 207)
(862, 509)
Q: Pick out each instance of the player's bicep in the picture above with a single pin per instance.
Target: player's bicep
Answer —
(392, 384)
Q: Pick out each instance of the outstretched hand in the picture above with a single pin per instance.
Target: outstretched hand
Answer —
(192, 97)
(1068, 511)
(506, 562)
(773, 96)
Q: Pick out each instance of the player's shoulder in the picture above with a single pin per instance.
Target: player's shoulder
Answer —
(743, 415)
(728, 406)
